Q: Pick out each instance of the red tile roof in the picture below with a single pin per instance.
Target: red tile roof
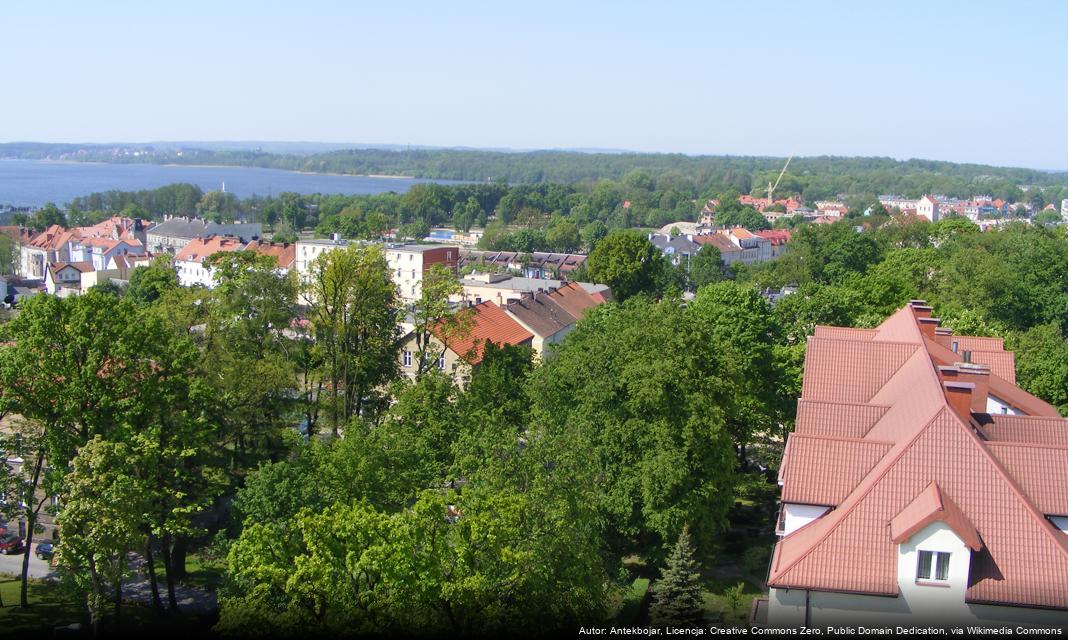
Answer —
(807, 459)
(200, 248)
(932, 506)
(574, 299)
(489, 323)
(1000, 489)
(284, 252)
(1026, 430)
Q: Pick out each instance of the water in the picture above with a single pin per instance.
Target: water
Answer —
(34, 182)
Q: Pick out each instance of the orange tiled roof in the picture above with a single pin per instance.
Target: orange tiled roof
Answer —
(284, 252)
(929, 506)
(574, 299)
(1003, 474)
(200, 248)
(489, 324)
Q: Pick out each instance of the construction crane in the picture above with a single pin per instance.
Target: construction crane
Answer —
(771, 187)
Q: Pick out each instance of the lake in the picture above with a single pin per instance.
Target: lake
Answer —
(34, 182)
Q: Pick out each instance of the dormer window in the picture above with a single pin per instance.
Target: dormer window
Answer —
(933, 566)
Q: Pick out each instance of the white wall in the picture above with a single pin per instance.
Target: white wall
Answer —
(996, 405)
(192, 273)
(916, 604)
(796, 516)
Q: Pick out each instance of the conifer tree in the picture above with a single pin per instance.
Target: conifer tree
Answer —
(678, 591)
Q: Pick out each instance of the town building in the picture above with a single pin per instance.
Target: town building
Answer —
(503, 288)
(1064, 209)
(928, 207)
(920, 486)
(551, 315)
(538, 264)
(408, 263)
(174, 233)
(284, 253)
(486, 323)
(189, 261)
(679, 249)
(65, 278)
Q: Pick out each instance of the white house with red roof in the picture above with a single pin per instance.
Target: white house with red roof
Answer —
(189, 262)
(928, 207)
(920, 486)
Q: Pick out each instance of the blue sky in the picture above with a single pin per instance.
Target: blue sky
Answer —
(964, 81)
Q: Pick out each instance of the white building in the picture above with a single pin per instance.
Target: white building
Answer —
(189, 262)
(920, 486)
(927, 207)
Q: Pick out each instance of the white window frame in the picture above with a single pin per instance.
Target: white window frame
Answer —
(441, 361)
(939, 564)
(407, 358)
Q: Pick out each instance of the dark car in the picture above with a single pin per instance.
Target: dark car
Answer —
(11, 544)
(45, 550)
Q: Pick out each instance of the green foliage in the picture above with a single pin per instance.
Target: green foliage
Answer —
(1042, 364)
(628, 263)
(677, 601)
(635, 393)
(707, 267)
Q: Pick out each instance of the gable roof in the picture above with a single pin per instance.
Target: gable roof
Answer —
(932, 506)
(200, 248)
(1001, 491)
(284, 252)
(187, 228)
(489, 323)
(574, 299)
(80, 267)
(541, 314)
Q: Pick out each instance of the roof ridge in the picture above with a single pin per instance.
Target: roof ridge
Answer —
(794, 434)
(846, 403)
(1032, 445)
(889, 342)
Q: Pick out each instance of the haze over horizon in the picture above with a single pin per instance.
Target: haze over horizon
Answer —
(971, 82)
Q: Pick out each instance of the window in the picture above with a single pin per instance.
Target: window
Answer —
(407, 358)
(933, 565)
(441, 361)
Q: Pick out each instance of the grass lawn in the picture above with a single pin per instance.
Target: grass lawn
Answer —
(202, 573)
(51, 607)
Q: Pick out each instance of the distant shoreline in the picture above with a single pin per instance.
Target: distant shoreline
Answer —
(230, 166)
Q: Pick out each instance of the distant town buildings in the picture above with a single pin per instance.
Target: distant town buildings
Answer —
(174, 233)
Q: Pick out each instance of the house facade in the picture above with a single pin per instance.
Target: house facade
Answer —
(920, 485)
(173, 234)
(486, 323)
(189, 262)
(408, 263)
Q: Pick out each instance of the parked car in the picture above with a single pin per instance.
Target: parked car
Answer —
(11, 543)
(45, 550)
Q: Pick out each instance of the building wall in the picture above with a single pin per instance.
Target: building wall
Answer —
(454, 365)
(796, 516)
(191, 273)
(996, 405)
(916, 604)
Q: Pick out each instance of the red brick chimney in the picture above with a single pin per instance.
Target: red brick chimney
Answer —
(959, 396)
(944, 337)
(978, 375)
(922, 311)
(928, 326)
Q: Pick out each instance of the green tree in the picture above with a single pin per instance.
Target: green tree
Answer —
(47, 216)
(706, 267)
(353, 313)
(635, 393)
(1042, 364)
(148, 284)
(437, 324)
(100, 523)
(626, 262)
(677, 601)
(563, 237)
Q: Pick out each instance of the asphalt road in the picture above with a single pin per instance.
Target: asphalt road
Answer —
(12, 565)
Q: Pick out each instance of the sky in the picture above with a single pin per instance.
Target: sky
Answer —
(963, 81)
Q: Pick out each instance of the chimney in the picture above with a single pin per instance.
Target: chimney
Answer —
(922, 311)
(944, 337)
(959, 396)
(979, 376)
(928, 326)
